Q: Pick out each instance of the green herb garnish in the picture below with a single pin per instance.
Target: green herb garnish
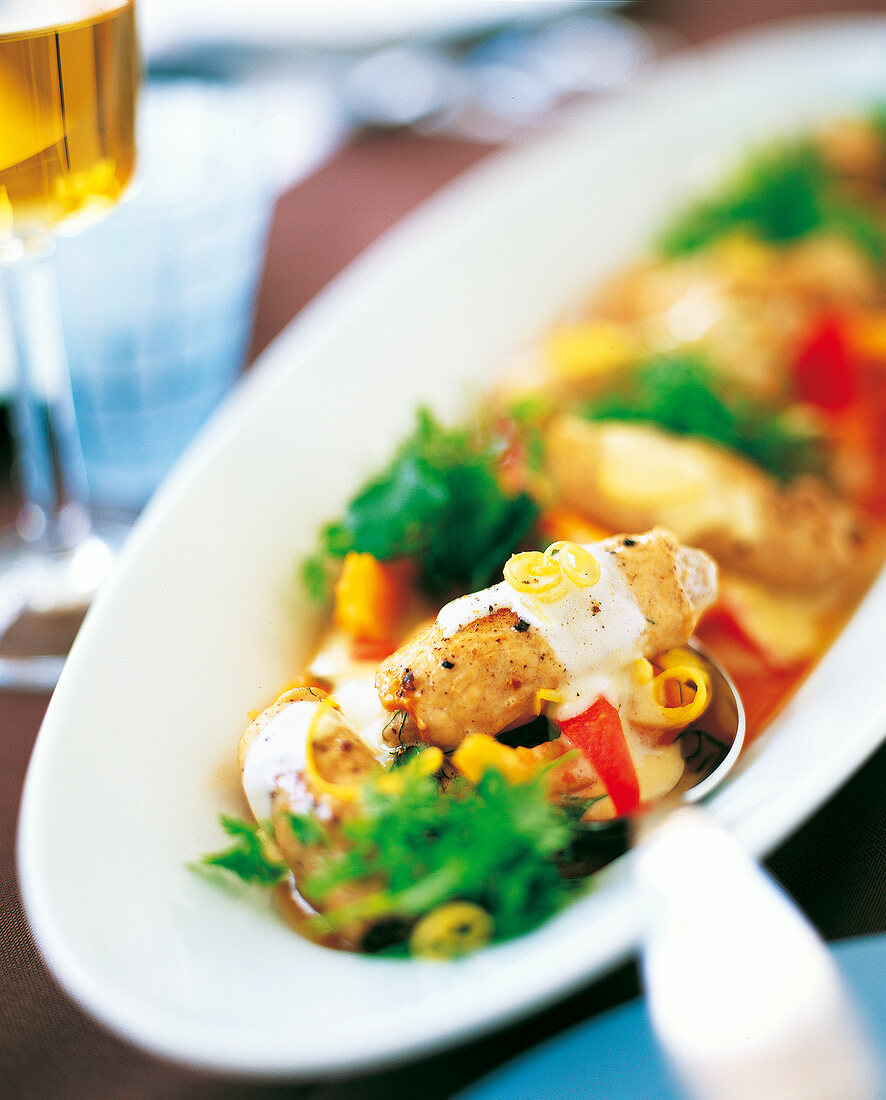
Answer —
(877, 117)
(779, 196)
(529, 415)
(494, 844)
(307, 830)
(403, 756)
(502, 846)
(250, 857)
(680, 393)
(438, 502)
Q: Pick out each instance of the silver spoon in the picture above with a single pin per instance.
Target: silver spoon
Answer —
(743, 995)
(724, 725)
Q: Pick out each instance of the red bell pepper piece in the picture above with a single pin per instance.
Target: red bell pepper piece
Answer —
(598, 734)
(826, 367)
(372, 649)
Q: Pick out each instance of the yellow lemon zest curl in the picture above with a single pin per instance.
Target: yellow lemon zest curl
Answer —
(344, 792)
(546, 695)
(689, 679)
(546, 575)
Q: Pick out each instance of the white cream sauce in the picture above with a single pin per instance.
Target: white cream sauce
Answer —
(362, 707)
(278, 748)
(594, 632)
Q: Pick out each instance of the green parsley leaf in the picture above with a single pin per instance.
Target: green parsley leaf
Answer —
(777, 196)
(780, 195)
(403, 756)
(877, 116)
(316, 576)
(529, 415)
(439, 502)
(864, 229)
(680, 393)
(307, 830)
(495, 844)
(249, 857)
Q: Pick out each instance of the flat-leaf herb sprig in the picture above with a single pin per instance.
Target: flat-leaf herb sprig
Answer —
(494, 844)
(252, 856)
(502, 846)
(680, 393)
(439, 502)
(780, 195)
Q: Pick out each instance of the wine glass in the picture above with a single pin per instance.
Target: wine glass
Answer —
(69, 77)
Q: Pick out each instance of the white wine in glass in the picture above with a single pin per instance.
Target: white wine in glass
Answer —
(69, 77)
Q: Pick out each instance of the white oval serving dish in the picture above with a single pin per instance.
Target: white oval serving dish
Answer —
(204, 622)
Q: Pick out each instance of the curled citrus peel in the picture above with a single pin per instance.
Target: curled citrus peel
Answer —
(547, 575)
(344, 792)
(693, 689)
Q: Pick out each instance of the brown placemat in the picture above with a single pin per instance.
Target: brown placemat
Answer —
(835, 866)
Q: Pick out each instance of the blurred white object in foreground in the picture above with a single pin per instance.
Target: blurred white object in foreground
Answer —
(743, 995)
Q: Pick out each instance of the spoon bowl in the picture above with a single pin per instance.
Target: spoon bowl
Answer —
(713, 744)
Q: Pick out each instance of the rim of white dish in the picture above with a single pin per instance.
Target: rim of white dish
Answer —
(352, 293)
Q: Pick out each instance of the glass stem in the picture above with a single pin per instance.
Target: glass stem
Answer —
(49, 456)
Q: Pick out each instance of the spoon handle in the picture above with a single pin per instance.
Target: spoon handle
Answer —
(743, 995)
